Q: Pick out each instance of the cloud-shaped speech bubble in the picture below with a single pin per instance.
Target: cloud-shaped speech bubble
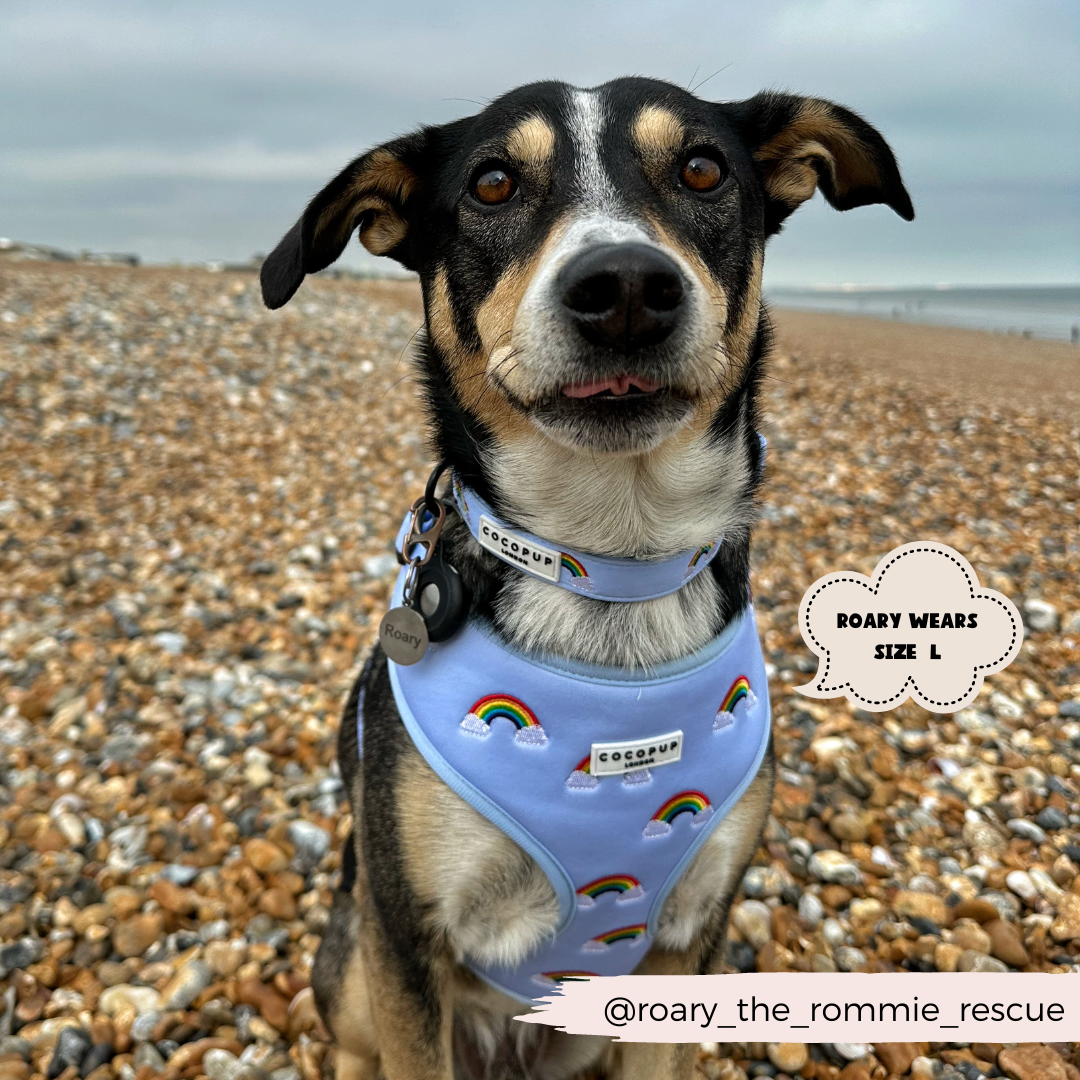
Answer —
(920, 626)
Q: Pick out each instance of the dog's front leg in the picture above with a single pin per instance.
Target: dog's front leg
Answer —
(411, 1006)
(660, 1061)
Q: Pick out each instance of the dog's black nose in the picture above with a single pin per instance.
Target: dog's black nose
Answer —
(622, 296)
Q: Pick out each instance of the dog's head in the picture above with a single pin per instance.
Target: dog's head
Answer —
(591, 259)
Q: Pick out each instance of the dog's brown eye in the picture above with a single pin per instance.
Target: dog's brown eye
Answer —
(494, 185)
(701, 173)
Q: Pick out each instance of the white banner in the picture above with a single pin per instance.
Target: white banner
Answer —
(797, 1007)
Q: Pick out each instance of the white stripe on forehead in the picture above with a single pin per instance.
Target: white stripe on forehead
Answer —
(586, 122)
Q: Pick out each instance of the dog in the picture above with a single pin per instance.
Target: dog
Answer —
(593, 350)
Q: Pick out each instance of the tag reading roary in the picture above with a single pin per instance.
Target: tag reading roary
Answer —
(609, 758)
(403, 635)
(542, 561)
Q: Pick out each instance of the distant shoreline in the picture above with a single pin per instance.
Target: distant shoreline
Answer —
(1050, 312)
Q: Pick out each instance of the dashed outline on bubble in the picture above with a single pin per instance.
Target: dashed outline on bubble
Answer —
(862, 580)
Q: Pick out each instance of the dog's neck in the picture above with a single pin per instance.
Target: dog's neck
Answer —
(696, 486)
(651, 507)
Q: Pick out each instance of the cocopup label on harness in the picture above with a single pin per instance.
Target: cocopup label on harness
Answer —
(542, 561)
(609, 758)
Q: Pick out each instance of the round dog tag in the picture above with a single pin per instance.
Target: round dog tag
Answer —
(403, 635)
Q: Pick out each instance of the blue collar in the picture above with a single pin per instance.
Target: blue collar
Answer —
(596, 576)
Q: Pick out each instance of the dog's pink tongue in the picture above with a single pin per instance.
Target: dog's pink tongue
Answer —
(617, 384)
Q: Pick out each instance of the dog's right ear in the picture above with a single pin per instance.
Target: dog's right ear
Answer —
(375, 194)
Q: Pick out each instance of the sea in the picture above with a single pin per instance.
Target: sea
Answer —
(1040, 311)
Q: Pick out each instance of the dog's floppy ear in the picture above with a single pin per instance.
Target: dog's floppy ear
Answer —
(374, 194)
(800, 144)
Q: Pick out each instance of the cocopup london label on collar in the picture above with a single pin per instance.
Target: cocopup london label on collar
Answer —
(527, 555)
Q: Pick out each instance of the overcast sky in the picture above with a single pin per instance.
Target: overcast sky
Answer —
(192, 131)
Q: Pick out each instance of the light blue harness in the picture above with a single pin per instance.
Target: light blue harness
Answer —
(527, 742)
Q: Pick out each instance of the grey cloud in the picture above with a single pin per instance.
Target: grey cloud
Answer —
(198, 130)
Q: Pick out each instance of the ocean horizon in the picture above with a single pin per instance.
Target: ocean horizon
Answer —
(1040, 311)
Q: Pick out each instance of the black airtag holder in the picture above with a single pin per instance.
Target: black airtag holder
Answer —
(441, 596)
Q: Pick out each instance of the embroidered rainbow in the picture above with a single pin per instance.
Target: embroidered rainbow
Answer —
(739, 690)
(582, 778)
(459, 494)
(692, 802)
(703, 550)
(624, 933)
(616, 883)
(575, 567)
(502, 706)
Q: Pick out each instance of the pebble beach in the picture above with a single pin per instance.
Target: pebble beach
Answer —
(197, 503)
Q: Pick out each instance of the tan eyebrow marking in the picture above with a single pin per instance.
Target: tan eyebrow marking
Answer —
(659, 135)
(532, 142)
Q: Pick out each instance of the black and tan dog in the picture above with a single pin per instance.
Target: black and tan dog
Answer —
(595, 342)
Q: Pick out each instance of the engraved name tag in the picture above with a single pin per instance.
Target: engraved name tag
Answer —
(619, 757)
(542, 561)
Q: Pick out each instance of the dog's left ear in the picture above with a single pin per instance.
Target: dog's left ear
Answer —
(800, 144)
(375, 194)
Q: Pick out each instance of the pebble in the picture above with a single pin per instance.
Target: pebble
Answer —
(788, 1057)
(265, 856)
(833, 932)
(1006, 943)
(1066, 927)
(982, 911)
(144, 1025)
(947, 956)
(71, 1047)
(187, 984)
(142, 999)
(920, 905)
(852, 1051)
(311, 842)
(897, 1056)
(1052, 819)
(754, 921)
(135, 935)
(835, 867)
(270, 1004)
(1032, 1061)
(811, 910)
(972, 937)
(18, 954)
(1027, 830)
(976, 961)
(147, 1055)
(1040, 615)
(848, 958)
(1022, 885)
